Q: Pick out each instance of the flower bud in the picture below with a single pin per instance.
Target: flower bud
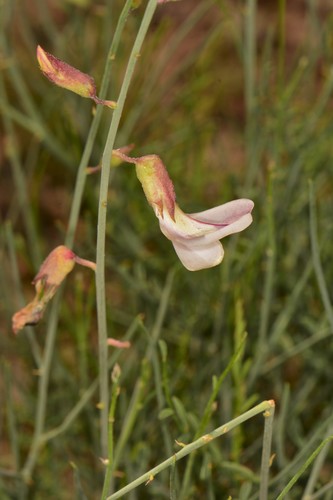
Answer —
(68, 77)
(64, 75)
(51, 274)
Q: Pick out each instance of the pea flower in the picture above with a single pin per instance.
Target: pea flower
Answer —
(68, 77)
(195, 237)
(51, 274)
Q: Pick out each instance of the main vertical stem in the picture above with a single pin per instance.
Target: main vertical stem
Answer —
(45, 364)
(101, 225)
(249, 57)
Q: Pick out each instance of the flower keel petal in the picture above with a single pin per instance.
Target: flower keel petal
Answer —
(196, 257)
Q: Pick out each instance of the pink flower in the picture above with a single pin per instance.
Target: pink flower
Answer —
(195, 237)
(68, 77)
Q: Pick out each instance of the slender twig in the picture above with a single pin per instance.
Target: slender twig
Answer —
(319, 494)
(304, 452)
(101, 223)
(82, 172)
(308, 462)
(54, 313)
(114, 396)
(186, 450)
(268, 285)
(88, 393)
(316, 469)
(43, 384)
(209, 410)
(316, 259)
(135, 403)
(249, 61)
(266, 452)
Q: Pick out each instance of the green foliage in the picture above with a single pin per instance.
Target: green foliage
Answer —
(236, 105)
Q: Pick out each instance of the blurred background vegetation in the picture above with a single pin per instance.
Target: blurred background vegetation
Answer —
(236, 98)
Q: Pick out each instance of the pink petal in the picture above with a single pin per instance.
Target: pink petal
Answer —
(196, 255)
(183, 226)
(225, 214)
(212, 224)
(235, 227)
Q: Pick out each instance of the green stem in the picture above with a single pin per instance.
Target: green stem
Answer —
(249, 59)
(303, 468)
(82, 174)
(101, 223)
(38, 440)
(135, 403)
(209, 410)
(268, 285)
(195, 445)
(250, 56)
(316, 259)
(266, 452)
(317, 468)
(114, 396)
(88, 393)
(43, 384)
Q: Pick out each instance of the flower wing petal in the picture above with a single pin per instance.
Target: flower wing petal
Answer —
(184, 226)
(196, 254)
(225, 214)
(229, 218)
(235, 227)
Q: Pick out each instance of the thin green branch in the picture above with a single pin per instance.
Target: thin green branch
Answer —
(43, 384)
(101, 223)
(268, 285)
(82, 173)
(316, 259)
(195, 445)
(88, 393)
(209, 410)
(317, 468)
(266, 452)
(135, 403)
(249, 61)
(303, 468)
(114, 396)
(38, 440)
